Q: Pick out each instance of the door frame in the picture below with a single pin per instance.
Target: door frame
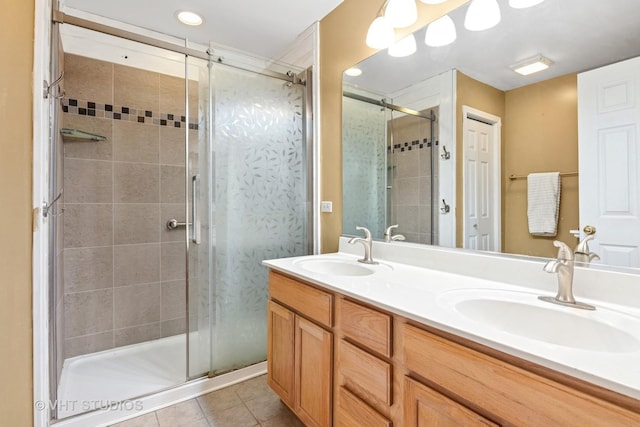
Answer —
(470, 113)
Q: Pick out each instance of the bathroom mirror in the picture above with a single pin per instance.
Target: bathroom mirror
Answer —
(537, 115)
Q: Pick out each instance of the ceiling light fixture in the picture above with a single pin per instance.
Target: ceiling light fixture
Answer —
(440, 32)
(401, 13)
(403, 47)
(522, 4)
(531, 65)
(353, 72)
(189, 18)
(482, 15)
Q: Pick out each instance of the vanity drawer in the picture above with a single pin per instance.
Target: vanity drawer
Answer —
(364, 374)
(505, 392)
(353, 412)
(366, 326)
(307, 300)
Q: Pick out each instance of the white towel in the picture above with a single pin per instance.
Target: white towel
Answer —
(543, 192)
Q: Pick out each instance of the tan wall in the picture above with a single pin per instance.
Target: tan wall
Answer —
(16, 49)
(483, 97)
(342, 44)
(540, 135)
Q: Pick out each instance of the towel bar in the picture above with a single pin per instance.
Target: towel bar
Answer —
(512, 177)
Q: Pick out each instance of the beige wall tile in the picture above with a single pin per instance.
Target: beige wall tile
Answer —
(88, 225)
(88, 312)
(172, 184)
(425, 159)
(100, 150)
(408, 191)
(134, 264)
(88, 79)
(88, 344)
(136, 334)
(425, 190)
(173, 327)
(136, 305)
(136, 142)
(173, 264)
(425, 219)
(172, 146)
(409, 220)
(87, 269)
(408, 164)
(172, 95)
(136, 183)
(136, 223)
(88, 181)
(173, 300)
(135, 88)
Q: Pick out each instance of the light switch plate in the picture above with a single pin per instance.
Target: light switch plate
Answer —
(326, 206)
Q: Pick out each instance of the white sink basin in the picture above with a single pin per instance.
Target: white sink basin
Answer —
(337, 267)
(522, 314)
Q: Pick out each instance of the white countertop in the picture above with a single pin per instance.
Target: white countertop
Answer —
(428, 296)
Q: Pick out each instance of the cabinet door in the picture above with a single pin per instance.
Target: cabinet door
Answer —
(425, 407)
(280, 352)
(313, 373)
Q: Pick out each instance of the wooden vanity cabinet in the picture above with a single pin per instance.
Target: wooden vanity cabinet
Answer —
(299, 351)
(370, 368)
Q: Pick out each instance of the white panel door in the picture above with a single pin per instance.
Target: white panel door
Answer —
(608, 119)
(480, 226)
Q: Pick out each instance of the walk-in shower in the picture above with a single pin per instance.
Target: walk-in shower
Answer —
(177, 175)
(390, 167)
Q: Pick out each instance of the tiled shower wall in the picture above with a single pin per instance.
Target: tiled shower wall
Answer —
(411, 205)
(124, 272)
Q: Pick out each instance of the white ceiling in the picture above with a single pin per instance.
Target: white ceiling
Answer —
(577, 35)
(261, 27)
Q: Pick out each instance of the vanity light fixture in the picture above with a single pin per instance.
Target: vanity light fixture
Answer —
(403, 47)
(482, 15)
(531, 65)
(380, 34)
(401, 13)
(189, 18)
(353, 72)
(440, 32)
(522, 4)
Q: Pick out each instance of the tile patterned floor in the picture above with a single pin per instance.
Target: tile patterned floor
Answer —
(247, 404)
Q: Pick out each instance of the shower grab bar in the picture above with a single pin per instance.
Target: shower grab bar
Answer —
(195, 215)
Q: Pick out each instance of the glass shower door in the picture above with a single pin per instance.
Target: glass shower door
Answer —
(260, 204)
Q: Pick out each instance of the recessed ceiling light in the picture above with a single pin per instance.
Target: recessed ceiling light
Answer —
(531, 65)
(189, 18)
(353, 72)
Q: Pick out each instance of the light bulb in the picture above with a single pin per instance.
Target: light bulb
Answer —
(401, 13)
(482, 15)
(403, 47)
(380, 34)
(521, 4)
(440, 32)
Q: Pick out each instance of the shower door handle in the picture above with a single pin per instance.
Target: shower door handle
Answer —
(195, 215)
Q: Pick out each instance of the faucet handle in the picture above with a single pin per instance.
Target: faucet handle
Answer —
(564, 251)
(367, 233)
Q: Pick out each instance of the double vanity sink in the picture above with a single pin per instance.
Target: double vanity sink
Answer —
(600, 346)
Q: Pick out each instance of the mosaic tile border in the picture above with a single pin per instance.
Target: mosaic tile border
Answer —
(119, 112)
(415, 145)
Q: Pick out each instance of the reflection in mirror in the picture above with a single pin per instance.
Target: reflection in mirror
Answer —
(543, 127)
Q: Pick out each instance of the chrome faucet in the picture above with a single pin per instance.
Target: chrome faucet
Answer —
(389, 236)
(582, 253)
(367, 242)
(563, 267)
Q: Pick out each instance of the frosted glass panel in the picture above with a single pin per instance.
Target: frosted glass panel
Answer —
(364, 152)
(259, 204)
